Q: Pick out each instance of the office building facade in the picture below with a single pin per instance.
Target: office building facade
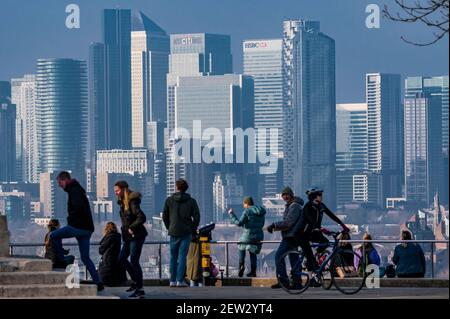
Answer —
(62, 111)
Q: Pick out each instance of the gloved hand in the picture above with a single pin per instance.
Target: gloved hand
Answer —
(345, 229)
(270, 228)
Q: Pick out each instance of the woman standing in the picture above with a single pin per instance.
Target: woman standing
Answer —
(109, 268)
(133, 235)
(252, 220)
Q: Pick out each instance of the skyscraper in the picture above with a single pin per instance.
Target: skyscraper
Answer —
(61, 105)
(423, 147)
(351, 136)
(23, 95)
(7, 139)
(384, 126)
(110, 85)
(263, 61)
(436, 87)
(310, 102)
(150, 48)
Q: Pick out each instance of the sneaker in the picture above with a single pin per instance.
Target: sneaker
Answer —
(173, 284)
(182, 284)
(132, 287)
(100, 287)
(138, 293)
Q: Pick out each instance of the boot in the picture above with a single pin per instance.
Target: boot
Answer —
(241, 270)
(252, 273)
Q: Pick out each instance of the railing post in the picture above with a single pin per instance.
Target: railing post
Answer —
(159, 261)
(227, 264)
(11, 250)
(432, 260)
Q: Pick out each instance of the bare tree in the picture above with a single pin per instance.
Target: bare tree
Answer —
(433, 13)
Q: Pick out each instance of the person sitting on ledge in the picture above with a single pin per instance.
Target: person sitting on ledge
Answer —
(409, 258)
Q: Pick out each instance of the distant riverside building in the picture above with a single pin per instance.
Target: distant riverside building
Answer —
(351, 136)
(263, 60)
(135, 166)
(423, 148)
(7, 140)
(110, 85)
(15, 205)
(310, 117)
(384, 126)
(24, 96)
(352, 177)
(62, 111)
(436, 88)
(52, 198)
(227, 193)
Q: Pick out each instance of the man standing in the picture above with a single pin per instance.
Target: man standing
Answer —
(291, 217)
(181, 217)
(79, 225)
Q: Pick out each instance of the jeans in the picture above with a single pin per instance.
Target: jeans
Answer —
(83, 237)
(286, 245)
(179, 247)
(133, 249)
(252, 259)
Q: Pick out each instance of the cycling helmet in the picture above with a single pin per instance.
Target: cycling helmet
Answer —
(314, 190)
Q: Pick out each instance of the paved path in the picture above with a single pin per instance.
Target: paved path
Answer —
(268, 293)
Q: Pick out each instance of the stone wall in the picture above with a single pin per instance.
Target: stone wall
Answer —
(4, 237)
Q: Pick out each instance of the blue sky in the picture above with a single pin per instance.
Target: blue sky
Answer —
(36, 29)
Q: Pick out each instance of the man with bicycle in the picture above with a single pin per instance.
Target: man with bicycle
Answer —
(310, 227)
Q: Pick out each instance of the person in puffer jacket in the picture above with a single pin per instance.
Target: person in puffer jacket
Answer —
(252, 220)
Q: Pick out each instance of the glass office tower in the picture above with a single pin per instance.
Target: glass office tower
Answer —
(61, 104)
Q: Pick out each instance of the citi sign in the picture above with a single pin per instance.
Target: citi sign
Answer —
(256, 45)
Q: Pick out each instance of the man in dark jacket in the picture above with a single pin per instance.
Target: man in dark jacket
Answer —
(311, 224)
(133, 235)
(287, 226)
(79, 224)
(181, 217)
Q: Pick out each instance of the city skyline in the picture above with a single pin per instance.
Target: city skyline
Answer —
(142, 79)
(368, 50)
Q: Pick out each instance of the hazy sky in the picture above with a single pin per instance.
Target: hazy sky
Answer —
(36, 29)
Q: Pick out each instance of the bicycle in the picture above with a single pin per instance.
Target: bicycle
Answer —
(343, 268)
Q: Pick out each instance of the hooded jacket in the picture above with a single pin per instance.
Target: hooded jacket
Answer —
(252, 220)
(181, 215)
(78, 208)
(291, 217)
(109, 268)
(133, 218)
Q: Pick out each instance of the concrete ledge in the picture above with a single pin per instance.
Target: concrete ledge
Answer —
(13, 264)
(267, 282)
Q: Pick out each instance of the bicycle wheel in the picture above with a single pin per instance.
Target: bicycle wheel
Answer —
(345, 276)
(325, 279)
(298, 280)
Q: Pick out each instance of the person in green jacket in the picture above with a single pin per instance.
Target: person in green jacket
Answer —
(252, 220)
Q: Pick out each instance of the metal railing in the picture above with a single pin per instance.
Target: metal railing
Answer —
(227, 243)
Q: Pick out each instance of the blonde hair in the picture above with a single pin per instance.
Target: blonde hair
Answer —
(110, 227)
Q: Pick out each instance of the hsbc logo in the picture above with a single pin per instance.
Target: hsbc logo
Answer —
(256, 45)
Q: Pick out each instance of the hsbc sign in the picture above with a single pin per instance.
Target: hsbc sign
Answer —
(255, 45)
(273, 45)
